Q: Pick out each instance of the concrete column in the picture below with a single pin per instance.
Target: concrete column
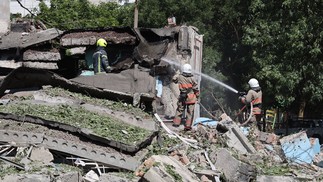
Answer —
(4, 16)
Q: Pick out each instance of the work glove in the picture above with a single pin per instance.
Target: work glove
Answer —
(242, 94)
(242, 99)
(109, 69)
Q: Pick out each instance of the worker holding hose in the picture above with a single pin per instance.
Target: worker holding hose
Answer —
(189, 94)
(254, 99)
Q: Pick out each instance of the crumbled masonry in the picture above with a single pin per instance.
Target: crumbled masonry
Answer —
(59, 122)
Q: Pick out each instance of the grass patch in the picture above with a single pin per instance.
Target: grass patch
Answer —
(119, 106)
(101, 125)
(167, 143)
(4, 171)
(171, 171)
(278, 170)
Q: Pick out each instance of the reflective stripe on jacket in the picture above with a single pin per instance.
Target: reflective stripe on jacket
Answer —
(256, 99)
(100, 60)
(188, 85)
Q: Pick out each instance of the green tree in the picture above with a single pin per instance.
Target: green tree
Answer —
(201, 14)
(71, 14)
(125, 15)
(286, 38)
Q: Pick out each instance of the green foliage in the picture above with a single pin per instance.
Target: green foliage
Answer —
(167, 143)
(278, 42)
(104, 126)
(72, 14)
(118, 106)
(154, 13)
(4, 171)
(286, 38)
(278, 170)
(172, 171)
(125, 15)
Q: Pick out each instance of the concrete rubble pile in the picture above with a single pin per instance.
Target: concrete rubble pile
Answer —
(220, 152)
(224, 153)
(34, 148)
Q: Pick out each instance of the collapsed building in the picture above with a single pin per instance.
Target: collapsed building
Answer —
(53, 109)
(34, 58)
(144, 60)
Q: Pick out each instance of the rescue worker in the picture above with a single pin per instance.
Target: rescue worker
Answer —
(254, 97)
(189, 94)
(100, 58)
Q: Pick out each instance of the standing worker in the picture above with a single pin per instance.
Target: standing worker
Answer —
(100, 58)
(253, 98)
(189, 94)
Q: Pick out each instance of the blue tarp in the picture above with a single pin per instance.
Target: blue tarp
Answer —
(245, 130)
(159, 87)
(205, 121)
(87, 73)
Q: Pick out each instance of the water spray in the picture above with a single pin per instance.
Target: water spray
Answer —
(218, 82)
(203, 75)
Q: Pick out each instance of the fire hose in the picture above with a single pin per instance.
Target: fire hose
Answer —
(250, 115)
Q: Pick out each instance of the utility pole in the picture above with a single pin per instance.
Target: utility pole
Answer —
(135, 23)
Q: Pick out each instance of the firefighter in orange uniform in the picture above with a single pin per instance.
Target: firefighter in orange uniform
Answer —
(253, 96)
(189, 94)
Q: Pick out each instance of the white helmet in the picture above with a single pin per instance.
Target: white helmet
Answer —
(253, 83)
(187, 68)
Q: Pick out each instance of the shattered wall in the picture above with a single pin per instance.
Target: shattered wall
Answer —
(187, 49)
(144, 60)
(4, 16)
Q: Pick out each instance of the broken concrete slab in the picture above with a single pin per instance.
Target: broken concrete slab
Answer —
(127, 81)
(78, 41)
(318, 160)
(19, 39)
(263, 178)
(117, 177)
(29, 178)
(154, 173)
(41, 65)
(127, 118)
(269, 138)
(237, 140)
(4, 101)
(69, 176)
(21, 137)
(75, 51)
(91, 176)
(207, 175)
(167, 168)
(297, 148)
(10, 64)
(39, 96)
(112, 35)
(33, 55)
(41, 154)
(233, 169)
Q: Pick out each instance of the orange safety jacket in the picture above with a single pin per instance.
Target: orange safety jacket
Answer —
(255, 98)
(188, 87)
